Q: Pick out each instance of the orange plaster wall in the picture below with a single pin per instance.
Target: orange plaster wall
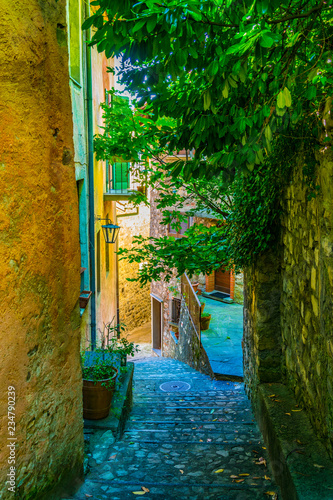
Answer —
(106, 299)
(39, 248)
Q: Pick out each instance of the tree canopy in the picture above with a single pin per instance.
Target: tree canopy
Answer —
(233, 74)
(243, 85)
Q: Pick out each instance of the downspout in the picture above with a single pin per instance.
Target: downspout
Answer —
(117, 288)
(91, 192)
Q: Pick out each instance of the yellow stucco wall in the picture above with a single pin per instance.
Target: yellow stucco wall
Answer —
(134, 300)
(39, 249)
(106, 298)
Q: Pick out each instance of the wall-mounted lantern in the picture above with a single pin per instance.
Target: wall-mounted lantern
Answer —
(110, 230)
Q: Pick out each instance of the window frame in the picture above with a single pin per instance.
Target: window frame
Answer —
(178, 234)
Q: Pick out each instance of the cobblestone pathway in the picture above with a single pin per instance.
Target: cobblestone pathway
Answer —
(197, 444)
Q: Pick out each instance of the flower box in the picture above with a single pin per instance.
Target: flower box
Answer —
(84, 298)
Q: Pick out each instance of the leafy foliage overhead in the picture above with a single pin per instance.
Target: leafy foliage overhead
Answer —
(245, 211)
(232, 74)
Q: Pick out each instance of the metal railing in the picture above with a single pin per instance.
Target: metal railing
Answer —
(193, 304)
(175, 310)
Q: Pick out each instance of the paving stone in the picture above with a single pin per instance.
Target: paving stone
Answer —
(175, 444)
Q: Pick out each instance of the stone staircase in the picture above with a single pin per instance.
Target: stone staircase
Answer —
(200, 443)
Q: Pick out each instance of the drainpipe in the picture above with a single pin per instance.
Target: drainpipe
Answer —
(91, 193)
(117, 287)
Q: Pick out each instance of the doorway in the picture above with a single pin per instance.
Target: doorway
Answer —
(222, 280)
(156, 323)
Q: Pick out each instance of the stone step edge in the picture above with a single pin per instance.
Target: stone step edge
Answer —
(158, 442)
(189, 422)
(230, 486)
(307, 475)
(187, 408)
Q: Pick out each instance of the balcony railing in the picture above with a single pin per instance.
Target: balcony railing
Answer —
(118, 186)
(193, 304)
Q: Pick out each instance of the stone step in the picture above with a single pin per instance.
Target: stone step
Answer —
(193, 438)
(175, 490)
(224, 439)
(190, 421)
(200, 444)
(196, 409)
(162, 463)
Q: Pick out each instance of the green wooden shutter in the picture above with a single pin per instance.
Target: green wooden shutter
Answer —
(121, 176)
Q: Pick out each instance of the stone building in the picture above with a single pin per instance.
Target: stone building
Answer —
(164, 298)
(289, 304)
(134, 301)
(89, 82)
(55, 199)
(40, 254)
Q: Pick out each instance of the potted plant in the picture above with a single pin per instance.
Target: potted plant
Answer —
(99, 380)
(118, 346)
(99, 370)
(125, 348)
(205, 320)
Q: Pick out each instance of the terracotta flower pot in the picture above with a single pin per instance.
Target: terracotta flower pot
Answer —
(195, 286)
(204, 322)
(97, 397)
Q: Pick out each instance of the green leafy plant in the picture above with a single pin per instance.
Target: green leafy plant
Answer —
(101, 369)
(101, 365)
(232, 75)
(113, 345)
(205, 315)
(242, 86)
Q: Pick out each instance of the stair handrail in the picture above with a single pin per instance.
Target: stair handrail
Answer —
(192, 303)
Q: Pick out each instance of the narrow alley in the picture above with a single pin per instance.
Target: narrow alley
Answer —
(187, 437)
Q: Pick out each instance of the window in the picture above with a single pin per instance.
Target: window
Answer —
(175, 310)
(74, 40)
(107, 255)
(107, 164)
(98, 261)
(184, 225)
(121, 176)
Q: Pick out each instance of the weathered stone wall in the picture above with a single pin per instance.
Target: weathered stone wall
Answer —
(289, 302)
(188, 348)
(262, 329)
(134, 301)
(307, 296)
(160, 288)
(239, 288)
(39, 250)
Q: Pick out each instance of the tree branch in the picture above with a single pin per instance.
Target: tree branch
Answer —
(297, 16)
(208, 203)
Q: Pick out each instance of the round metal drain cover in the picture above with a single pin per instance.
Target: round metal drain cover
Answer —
(175, 386)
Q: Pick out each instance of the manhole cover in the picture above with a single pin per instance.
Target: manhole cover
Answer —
(175, 386)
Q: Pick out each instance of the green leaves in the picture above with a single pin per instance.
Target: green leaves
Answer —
(287, 97)
(151, 23)
(221, 70)
(207, 100)
(266, 40)
(284, 98)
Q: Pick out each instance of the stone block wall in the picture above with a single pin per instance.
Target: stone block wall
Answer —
(39, 252)
(289, 302)
(307, 296)
(188, 348)
(239, 288)
(134, 301)
(262, 322)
